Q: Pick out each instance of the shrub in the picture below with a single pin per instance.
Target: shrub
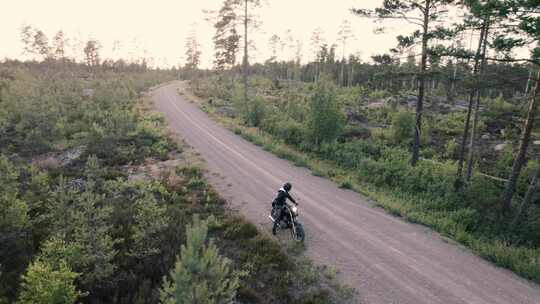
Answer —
(450, 124)
(378, 94)
(44, 284)
(353, 132)
(402, 127)
(450, 148)
(286, 129)
(349, 154)
(240, 229)
(200, 274)
(500, 111)
(325, 119)
(255, 111)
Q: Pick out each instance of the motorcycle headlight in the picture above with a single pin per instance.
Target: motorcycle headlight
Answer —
(295, 210)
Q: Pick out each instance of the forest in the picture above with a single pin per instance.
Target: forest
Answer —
(100, 204)
(439, 130)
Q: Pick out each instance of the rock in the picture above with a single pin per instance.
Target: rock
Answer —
(500, 147)
(56, 160)
(88, 93)
(376, 105)
(226, 111)
(76, 185)
(486, 137)
(536, 142)
(67, 157)
(353, 116)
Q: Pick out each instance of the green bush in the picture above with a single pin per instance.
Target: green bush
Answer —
(402, 127)
(379, 94)
(255, 111)
(201, 274)
(450, 149)
(44, 284)
(325, 120)
(500, 111)
(349, 154)
(450, 124)
(351, 132)
(286, 129)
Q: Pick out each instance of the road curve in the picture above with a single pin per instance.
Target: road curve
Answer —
(386, 259)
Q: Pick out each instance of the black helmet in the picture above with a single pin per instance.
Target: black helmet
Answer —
(287, 187)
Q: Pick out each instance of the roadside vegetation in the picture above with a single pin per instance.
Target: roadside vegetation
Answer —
(375, 162)
(97, 201)
(435, 132)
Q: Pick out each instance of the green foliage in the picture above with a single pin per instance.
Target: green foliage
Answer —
(501, 112)
(14, 212)
(44, 283)
(83, 225)
(200, 274)
(378, 94)
(14, 228)
(402, 127)
(325, 120)
(150, 222)
(255, 111)
(287, 129)
(91, 234)
(350, 154)
(351, 132)
(450, 124)
(58, 253)
(450, 149)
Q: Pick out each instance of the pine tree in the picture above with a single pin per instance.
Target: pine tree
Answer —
(226, 38)
(193, 51)
(344, 34)
(44, 283)
(50, 278)
(35, 42)
(91, 53)
(150, 222)
(481, 16)
(15, 242)
(200, 274)
(325, 119)
(526, 12)
(423, 14)
(317, 42)
(59, 45)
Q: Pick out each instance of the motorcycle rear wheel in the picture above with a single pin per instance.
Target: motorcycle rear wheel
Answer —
(298, 233)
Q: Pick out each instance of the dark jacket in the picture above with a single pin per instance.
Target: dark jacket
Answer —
(282, 197)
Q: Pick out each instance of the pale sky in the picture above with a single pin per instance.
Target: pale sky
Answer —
(159, 28)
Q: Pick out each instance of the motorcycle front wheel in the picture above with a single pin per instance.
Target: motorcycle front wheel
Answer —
(298, 233)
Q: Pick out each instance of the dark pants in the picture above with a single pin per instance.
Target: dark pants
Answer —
(280, 215)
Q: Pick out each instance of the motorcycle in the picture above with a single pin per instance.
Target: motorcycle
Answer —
(289, 221)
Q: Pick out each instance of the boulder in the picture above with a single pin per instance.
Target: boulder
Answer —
(226, 111)
(353, 116)
(88, 93)
(55, 160)
(500, 147)
(376, 105)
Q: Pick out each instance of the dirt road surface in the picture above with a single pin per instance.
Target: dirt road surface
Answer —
(386, 259)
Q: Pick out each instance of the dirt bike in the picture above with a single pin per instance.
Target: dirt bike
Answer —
(289, 221)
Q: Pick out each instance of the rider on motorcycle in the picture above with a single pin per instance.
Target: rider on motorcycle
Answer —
(279, 204)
